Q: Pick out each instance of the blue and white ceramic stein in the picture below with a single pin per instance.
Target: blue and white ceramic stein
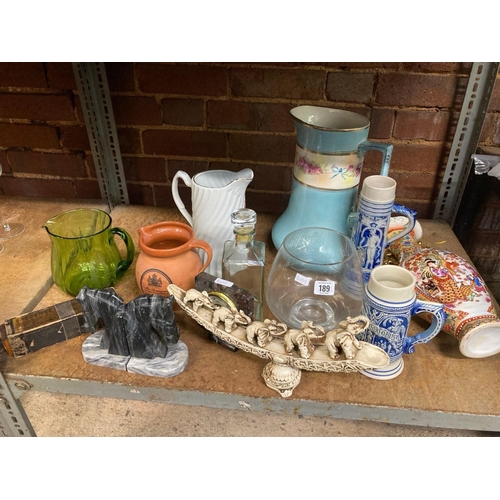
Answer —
(331, 144)
(372, 219)
(389, 303)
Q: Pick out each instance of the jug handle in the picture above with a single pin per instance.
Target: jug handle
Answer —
(438, 320)
(195, 243)
(123, 265)
(408, 212)
(385, 149)
(175, 193)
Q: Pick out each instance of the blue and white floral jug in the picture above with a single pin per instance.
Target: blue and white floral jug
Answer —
(331, 144)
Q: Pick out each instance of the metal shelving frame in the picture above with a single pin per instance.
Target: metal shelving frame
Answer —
(96, 102)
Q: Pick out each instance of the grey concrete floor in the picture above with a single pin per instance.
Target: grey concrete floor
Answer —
(61, 415)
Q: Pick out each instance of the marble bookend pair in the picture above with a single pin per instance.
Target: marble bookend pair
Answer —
(171, 365)
(139, 337)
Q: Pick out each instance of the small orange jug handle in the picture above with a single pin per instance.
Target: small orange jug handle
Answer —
(195, 243)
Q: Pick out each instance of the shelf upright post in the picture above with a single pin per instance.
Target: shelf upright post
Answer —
(100, 122)
(477, 97)
(13, 419)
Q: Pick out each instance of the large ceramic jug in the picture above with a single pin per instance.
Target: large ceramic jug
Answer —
(331, 144)
(215, 195)
(84, 252)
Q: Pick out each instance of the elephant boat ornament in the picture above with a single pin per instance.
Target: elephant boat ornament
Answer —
(290, 350)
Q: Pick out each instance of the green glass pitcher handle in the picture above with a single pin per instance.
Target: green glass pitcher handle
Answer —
(123, 265)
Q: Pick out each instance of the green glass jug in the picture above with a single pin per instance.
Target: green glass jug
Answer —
(84, 252)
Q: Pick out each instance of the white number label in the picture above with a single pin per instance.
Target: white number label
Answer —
(220, 281)
(324, 287)
(303, 280)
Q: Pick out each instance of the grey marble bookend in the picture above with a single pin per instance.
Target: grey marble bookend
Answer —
(171, 365)
(140, 337)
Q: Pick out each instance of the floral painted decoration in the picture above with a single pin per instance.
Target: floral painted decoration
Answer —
(311, 168)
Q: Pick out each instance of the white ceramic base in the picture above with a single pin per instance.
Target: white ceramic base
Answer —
(392, 370)
(482, 341)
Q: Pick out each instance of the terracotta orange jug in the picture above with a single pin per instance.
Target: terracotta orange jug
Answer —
(168, 255)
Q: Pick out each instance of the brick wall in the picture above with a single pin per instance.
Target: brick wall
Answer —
(194, 117)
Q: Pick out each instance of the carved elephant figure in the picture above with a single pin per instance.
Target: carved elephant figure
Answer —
(264, 331)
(344, 337)
(299, 338)
(260, 330)
(230, 318)
(199, 299)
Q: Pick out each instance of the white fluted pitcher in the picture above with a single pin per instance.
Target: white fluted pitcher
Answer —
(215, 195)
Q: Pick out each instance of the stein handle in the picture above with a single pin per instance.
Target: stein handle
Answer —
(195, 243)
(351, 220)
(408, 212)
(385, 149)
(175, 193)
(438, 319)
(123, 265)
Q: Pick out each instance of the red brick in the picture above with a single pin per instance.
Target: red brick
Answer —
(87, 189)
(74, 137)
(400, 89)
(260, 147)
(132, 110)
(79, 111)
(188, 112)
(408, 158)
(350, 87)
(140, 194)
(416, 186)
(61, 75)
(60, 164)
(360, 110)
(437, 67)
(22, 74)
(37, 188)
(163, 196)
(4, 163)
(120, 76)
(239, 115)
(490, 220)
(485, 245)
(488, 128)
(189, 166)
(382, 123)
(428, 125)
(89, 160)
(486, 266)
(285, 83)
(36, 107)
(424, 209)
(494, 104)
(363, 65)
(266, 177)
(129, 140)
(184, 143)
(28, 136)
(495, 137)
(266, 202)
(184, 79)
(144, 169)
